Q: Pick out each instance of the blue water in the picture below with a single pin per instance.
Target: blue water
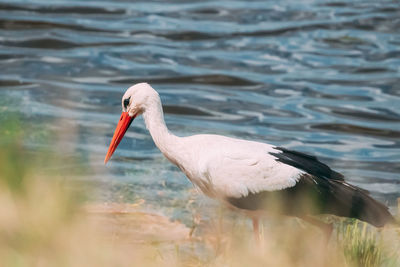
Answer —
(322, 77)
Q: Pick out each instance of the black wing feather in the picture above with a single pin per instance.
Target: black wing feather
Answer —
(307, 163)
(315, 195)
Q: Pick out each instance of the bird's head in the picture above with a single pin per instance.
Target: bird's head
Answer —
(137, 98)
(134, 102)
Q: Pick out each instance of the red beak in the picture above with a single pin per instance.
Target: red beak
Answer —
(123, 125)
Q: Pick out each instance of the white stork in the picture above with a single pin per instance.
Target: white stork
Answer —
(251, 175)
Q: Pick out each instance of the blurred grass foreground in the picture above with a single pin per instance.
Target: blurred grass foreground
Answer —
(46, 220)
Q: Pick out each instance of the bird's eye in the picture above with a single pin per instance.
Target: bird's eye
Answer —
(126, 102)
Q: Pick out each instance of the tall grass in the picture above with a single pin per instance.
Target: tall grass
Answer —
(366, 246)
(45, 221)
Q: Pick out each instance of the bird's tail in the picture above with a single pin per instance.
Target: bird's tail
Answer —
(355, 202)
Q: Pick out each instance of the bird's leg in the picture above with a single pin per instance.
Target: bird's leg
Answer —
(326, 228)
(256, 230)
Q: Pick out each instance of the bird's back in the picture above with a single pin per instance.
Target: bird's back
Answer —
(249, 175)
(234, 167)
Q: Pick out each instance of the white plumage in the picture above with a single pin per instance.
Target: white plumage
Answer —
(231, 167)
(244, 173)
(220, 166)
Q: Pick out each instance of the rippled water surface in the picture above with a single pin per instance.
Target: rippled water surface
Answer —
(317, 76)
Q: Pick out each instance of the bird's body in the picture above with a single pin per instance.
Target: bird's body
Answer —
(248, 175)
(224, 167)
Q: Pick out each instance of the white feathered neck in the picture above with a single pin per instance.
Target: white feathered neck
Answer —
(168, 143)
